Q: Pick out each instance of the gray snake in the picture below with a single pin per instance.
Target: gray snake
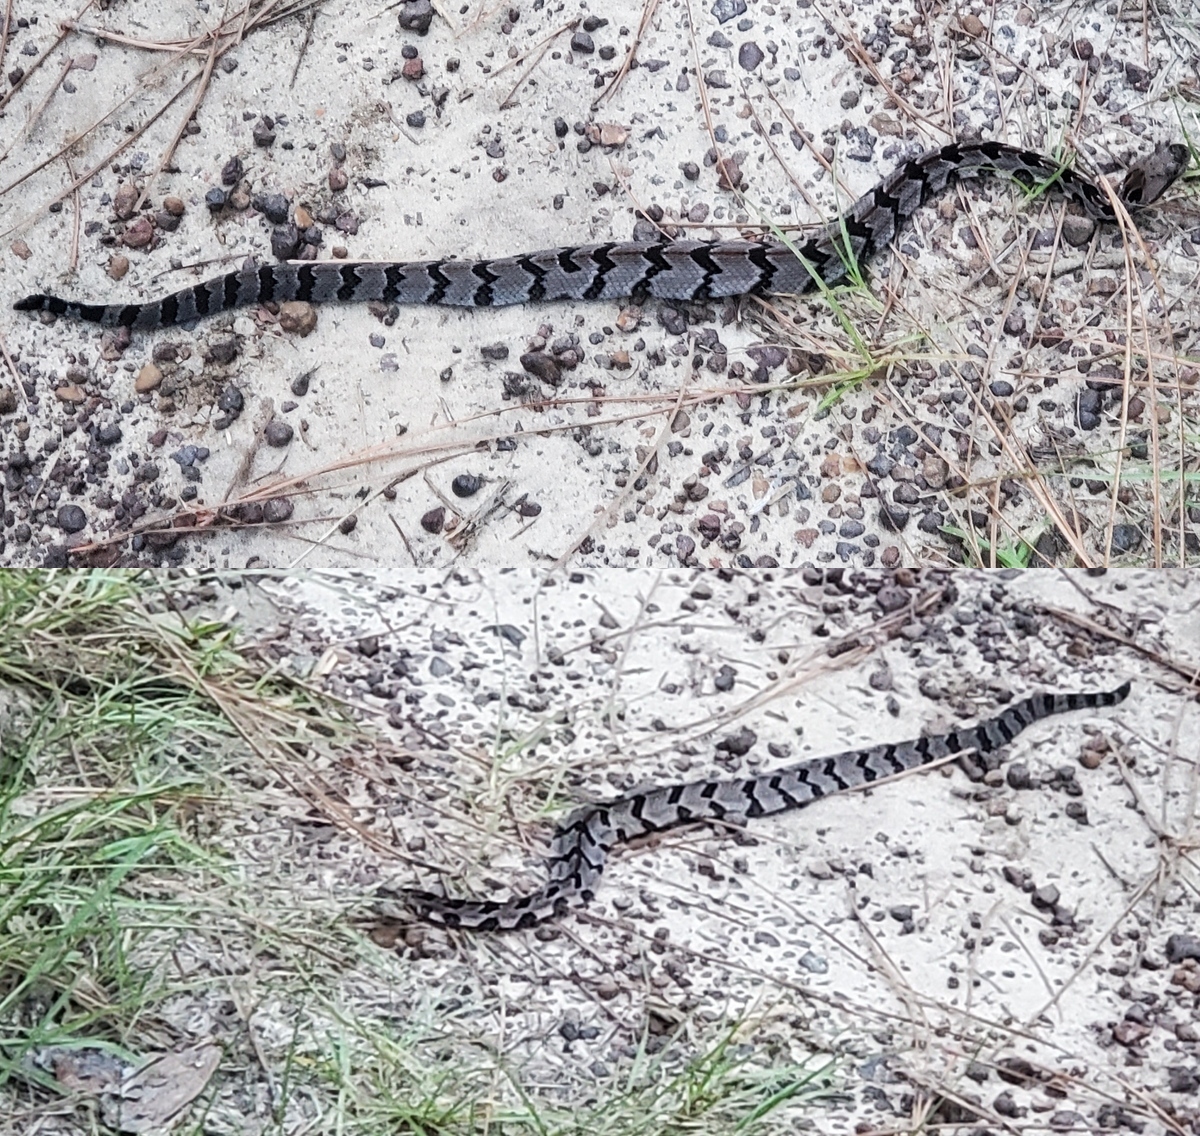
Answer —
(582, 842)
(666, 270)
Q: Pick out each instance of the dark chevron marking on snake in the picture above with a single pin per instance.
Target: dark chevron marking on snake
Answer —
(582, 842)
(667, 270)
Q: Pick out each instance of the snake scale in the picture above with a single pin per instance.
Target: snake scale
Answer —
(666, 270)
(582, 842)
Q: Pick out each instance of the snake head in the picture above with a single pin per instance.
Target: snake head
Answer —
(1148, 179)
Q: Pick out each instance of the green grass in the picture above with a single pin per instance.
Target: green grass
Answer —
(136, 896)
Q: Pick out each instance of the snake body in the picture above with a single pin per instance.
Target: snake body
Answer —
(582, 842)
(666, 270)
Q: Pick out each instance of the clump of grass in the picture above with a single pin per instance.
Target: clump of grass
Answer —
(114, 714)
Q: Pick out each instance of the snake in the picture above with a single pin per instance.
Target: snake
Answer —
(680, 270)
(582, 842)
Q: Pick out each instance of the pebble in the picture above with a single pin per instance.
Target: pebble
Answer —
(740, 743)
(466, 485)
(1045, 897)
(434, 521)
(273, 206)
(814, 964)
(729, 174)
(1077, 230)
(174, 205)
(285, 241)
(542, 366)
(1183, 946)
(148, 379)
(297, 317)
(264, 133)
(303, 218)
(416, 16)
(221, 353)
(215, 199)
(415, 119)
(71, 392)
(338, 180)
(118, 266)
(413, 69)
(278, 433)
(1126, 538)
(278, 509)
(124, 200)
(72, 519)
(750, 55)
(583, 43)
(495, 352)
(726, 10)
(140, 233)
(232, 171)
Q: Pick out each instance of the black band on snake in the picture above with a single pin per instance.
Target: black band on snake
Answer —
(667, 270)
(582, 842)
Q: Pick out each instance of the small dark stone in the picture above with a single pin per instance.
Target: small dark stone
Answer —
(215, 199)
(725, 678)
(495, 352)
(71, 519)
(415, 119)
(300, 384)
(739, 744)
(542, 366)
(1183, 946)
(1088, 408)
(1045, 897)
(672, 320)
(583, 43)
(232, 171)
(285, 241)
(1019, 777)
(109, 434)
(221, 354)
(434, 521)
(231, 400)
(146, 472)
(1182, 1080)
(893, 517)
(750, 55)
(273, 206)
(278, 433)
(691, 171)
(416, 16)
(466, 485)
(264, 135)
(1126, 538)
(278, 509)
(1014, 323)
(726, 10)
(1001, 388)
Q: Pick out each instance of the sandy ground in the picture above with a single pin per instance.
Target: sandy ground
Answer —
(1014, 954)
(1000, 388)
